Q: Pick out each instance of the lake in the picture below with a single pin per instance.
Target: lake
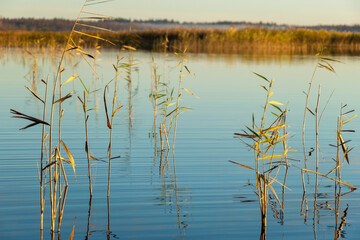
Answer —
(198, 193)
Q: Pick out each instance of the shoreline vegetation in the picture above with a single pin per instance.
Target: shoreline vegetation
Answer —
(228, 41)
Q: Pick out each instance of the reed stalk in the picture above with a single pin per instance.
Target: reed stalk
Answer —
(89, 218)
(110, 120)
(43, 138)
(84, 103)
(154, 95)
(307, 94)
(317, 148)
(58, 74)
(129, 80)
(181, 63)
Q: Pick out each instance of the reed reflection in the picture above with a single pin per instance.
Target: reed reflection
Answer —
(88, 232)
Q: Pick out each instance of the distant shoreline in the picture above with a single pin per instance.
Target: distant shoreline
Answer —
(229, 41)
(122, 24)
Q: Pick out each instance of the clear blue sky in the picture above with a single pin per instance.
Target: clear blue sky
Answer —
(303, 12)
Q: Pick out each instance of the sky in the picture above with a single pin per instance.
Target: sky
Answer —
(303, 12)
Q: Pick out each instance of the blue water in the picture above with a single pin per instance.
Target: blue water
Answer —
(202, 195)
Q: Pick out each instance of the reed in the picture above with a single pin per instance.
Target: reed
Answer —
(325, 63)
(128, 69)
(250, 40)
(35, 121)
(114, 108)
(155, 92)
(166, 101)
(342, 154)
(153, 97)
(54, 165)
(84, 103)
(32, 75)
(265, 140)
(162, 97)
(181, 75)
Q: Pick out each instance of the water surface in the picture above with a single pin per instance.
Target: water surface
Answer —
(202, 195)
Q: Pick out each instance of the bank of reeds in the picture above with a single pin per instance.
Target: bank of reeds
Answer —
(250, 40)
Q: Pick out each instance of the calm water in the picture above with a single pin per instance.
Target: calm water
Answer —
(206, 197)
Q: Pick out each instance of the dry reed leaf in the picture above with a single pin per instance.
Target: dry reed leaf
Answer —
(348, 112)
(343, 146)
(72, 162)
(338, 166)
(330, 59)
(95, 27)
(271, 157)
(310, 111)
(245, 135)
(63, 98)
(129, 47)
(187, 90)
(326, 67)
(274, 180)
(93, 36)
(96, 159)
(106, 110)
(275, 103)
(85, 53)
(65, 160)
(242, 165)
(82, 103)
(349, 119)
(70, 79)
(92, 13)
(116, 110)
(35, 95)
(70, 49)
(341, 182)
(275, 128)
(27, 117)
(50, 164)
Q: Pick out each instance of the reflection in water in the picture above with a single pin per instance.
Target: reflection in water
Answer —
(72, 234)
(170, 194)
(88, 233)
(108, 232)
(173, 194)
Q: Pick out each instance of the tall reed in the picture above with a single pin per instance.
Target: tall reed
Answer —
(265, 141)
(154, 96)
(344, 118)
(128, 69)
(84, 103)
(325, 63)
(110, 120)
(35, 121)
